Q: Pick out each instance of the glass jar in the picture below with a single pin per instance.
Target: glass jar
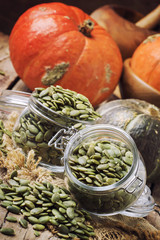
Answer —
(46, 132)
(129, 195)
(11, 100)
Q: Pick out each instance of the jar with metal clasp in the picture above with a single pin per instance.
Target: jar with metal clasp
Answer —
(106, 173)
(49, 112)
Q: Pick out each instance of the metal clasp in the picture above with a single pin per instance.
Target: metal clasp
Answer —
(137, 182)
(61, 138)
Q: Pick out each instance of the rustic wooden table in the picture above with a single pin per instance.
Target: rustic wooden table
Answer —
(10, 80)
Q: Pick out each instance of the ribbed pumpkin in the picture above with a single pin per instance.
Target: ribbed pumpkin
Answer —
(142, 121)
(145, 61)
(53, 43)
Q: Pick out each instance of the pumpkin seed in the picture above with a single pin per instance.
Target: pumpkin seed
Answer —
(29, 204)
(55, 198)
(33, 220)
(2, 196)
(14, 209)
(58, 215)
(6, 203)
(38, 227)
(21, 189)
(14, 174)
(36, 211)
(23, 223)
(64, 236)
(33, 129)
(36, 233)
(53, 221)
(8, 231)
(63, 229)
(11, 219)
(23, 182)
(12, 182)
(70, 212)
(44, 219)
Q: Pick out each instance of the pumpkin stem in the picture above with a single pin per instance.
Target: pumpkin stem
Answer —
(86, 27)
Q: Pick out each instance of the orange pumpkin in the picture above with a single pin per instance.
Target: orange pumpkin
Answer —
(56, 44)
(145, 61)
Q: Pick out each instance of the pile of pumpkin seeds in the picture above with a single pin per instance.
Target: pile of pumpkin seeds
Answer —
(44, 205)
(66, 102)
(101, 162)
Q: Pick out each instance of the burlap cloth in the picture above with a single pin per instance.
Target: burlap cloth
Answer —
(116, 227)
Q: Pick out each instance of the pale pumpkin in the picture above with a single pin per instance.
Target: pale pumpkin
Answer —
(142, 121)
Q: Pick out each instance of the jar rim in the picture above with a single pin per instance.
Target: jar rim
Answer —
(82, 134)
(47, 113)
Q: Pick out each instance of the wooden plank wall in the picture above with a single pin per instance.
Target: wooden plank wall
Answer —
(10, 10)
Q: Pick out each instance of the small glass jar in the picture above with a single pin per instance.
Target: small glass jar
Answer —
(41, 129)
(119, 197)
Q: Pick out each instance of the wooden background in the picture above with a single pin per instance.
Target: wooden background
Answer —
(10, 10)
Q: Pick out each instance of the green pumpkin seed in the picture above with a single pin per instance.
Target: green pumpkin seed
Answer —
(63, 229)
(26, 214)
(44, 92)
(74, 113)
(53, 221)
(38, 227)
(11, 219)
(55, 198)
(36, 211)
(18, 202)
(14, 174)
(21, 189)
(14, 209)
(31, 144)
(8, 231)
(69, 203)
(44, 219)
(32, 198)
(33, 129)
(23, 182)
(39, 137)
(82, 160)
(70, 212)
(47, 193)
(36, 233)
(6, 203)
(58, 215)
(33, 220)
(29, 204)
(12, 182)
(23, 137)
(2, 196)
(23, 223)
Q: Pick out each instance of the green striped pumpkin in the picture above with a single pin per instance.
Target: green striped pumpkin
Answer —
(142, 121)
